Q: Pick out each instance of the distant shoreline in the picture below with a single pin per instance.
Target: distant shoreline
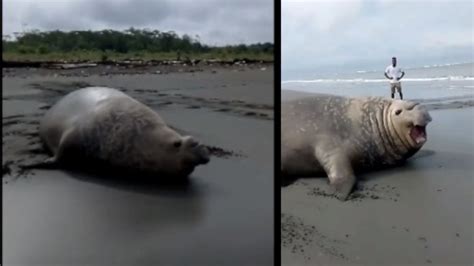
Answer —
(134, 62)
(354, 73)
(128, 67)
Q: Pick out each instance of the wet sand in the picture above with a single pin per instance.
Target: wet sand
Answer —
(221, 216)
(421, 213)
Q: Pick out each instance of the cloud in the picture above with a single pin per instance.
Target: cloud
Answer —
(216, 22)
(319, 34)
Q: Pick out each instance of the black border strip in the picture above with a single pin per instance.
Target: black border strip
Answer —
(277, 131)
(1, 112)
(1, 192)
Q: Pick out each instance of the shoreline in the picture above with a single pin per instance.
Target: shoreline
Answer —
(74, 64)
(128, 67)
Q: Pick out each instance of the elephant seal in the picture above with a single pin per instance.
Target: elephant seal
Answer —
(338, 136)
(105, 126)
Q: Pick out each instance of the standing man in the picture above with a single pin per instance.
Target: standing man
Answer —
(394, 74)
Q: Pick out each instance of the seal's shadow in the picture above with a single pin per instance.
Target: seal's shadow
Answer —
(173, 202)
(122, 179)
(141, 202)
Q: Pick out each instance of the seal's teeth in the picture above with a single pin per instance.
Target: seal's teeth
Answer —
(418, 134)
(420, 140)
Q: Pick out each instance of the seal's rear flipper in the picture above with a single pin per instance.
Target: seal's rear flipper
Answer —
(50, 163)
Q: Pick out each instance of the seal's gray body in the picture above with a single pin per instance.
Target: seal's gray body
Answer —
(105, 125)
(335, 136)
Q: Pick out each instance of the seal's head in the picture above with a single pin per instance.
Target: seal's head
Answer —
(171, 154)
(410, 120)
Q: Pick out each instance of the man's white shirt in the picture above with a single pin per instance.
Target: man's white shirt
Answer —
(394, 72)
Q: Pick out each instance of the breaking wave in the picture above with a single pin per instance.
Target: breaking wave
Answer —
(449, 78)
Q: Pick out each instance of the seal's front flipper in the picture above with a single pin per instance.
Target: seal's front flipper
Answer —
(342, 187)
(50, 163)
(338, 169)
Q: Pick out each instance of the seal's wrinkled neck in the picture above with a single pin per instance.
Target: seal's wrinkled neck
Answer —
(394, 143)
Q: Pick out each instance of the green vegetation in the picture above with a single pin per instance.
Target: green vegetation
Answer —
(118, 45)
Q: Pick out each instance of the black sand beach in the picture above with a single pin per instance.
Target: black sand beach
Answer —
(221, 216)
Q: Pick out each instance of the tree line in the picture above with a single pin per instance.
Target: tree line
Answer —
(131, 40)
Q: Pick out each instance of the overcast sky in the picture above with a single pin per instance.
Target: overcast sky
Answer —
(367, 33)
(215, 21)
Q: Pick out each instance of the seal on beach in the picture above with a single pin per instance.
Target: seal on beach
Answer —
(106, 126)
(338, 136)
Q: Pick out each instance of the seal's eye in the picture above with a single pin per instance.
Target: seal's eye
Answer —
(398, 112)
(177, 144)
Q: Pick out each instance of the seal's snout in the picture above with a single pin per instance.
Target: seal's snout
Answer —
(428, 117)
(193, 143)
(423, 117)
(200, 151)
(190, 141)
(203, 154)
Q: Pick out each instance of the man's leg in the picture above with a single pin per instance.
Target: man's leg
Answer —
(400, 90)
(392, 88)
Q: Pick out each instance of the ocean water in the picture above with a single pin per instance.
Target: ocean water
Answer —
(426, 82)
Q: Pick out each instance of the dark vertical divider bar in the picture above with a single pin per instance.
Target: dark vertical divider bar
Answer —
(1, 191)
(277, 135)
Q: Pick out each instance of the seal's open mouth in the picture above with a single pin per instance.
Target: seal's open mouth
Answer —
(418, 134)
